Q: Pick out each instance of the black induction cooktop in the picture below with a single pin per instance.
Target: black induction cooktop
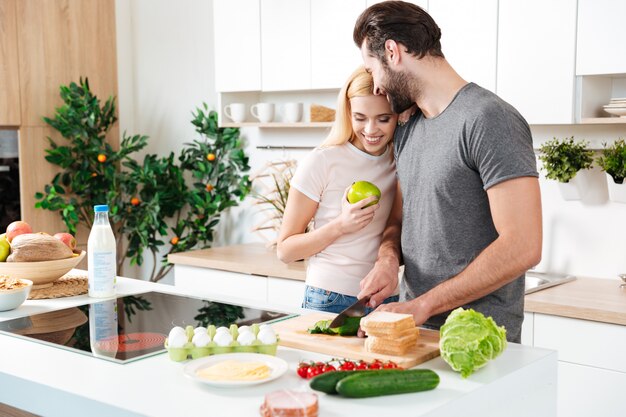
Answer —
(130, 327)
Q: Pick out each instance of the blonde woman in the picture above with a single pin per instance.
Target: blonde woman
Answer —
(342, 247)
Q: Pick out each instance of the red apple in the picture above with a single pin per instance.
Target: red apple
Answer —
(18, 228)
(67, 239)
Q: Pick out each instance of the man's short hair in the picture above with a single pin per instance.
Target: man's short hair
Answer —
(405, 23)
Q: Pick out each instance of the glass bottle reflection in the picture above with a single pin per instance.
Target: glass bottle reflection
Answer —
(103, 334)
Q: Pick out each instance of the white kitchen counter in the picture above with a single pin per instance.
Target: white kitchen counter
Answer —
(54, 382)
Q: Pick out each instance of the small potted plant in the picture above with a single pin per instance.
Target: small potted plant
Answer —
(564, 161)
(613, 162)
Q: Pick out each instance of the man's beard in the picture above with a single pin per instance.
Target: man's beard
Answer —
(401, 90)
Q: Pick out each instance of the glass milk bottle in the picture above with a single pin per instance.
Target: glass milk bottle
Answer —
(101, 251)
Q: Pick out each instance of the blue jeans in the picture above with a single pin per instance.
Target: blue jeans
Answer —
(332, 302)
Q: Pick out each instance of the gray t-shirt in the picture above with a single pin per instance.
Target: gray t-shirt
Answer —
(445, 165)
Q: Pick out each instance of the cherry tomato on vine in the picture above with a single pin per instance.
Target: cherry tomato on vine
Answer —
(302, 370)
(390, 365)
(313, 371)
(347, 366)
(361, 365)
(374, 365)
(328, 368)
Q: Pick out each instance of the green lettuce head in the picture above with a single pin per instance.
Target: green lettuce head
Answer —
(468, 340)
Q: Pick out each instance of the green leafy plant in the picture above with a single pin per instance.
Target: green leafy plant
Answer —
(613, 160)
(149, 200)
(218, 314)
(468, 340)
(562, 159)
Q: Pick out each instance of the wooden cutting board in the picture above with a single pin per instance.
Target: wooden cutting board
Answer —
(293, 333)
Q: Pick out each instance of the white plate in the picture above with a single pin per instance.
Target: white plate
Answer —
(618, 111)
(277, 367)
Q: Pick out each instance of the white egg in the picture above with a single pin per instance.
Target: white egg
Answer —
(201, 339)
(244, 329)
(267, 336)
(223, 339)
(199, 330)
(177, 340)
(177, 331)
(265, 326)
(222, 330)
(246, 338)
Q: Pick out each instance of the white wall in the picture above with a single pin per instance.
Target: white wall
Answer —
(166, 69)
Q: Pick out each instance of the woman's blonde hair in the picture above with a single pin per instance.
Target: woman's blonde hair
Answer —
(359, 84)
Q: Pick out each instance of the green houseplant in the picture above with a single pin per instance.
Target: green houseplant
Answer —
(613, 162)
(563, 160)
(160, 199)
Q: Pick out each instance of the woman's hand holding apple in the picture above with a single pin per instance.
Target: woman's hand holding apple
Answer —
(355, 217)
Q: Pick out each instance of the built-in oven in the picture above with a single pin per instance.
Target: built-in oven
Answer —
(9, 178)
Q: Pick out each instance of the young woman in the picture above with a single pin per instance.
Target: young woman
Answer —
(343, 245)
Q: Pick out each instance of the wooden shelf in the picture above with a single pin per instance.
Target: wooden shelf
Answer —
(279, 125)
(603, 120)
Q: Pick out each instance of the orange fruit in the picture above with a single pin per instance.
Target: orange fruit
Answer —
(361, 190)
(174, 240)
(102, 158)
(209, 187)
(210, 157)
(135, 201)
(93, 174)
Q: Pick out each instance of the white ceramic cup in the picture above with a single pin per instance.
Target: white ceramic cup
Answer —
(263, 111)
(236, 112)
(291, 112)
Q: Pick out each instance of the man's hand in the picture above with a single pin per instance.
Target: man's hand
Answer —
(413, 307)
(381, 282)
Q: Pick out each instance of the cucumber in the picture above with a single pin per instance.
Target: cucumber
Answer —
(327, 382)
(366, 384)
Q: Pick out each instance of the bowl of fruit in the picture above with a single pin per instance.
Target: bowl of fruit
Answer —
(38, 257)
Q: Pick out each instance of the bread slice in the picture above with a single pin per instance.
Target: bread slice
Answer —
(386, 320)
(388, 346)
(391, 334)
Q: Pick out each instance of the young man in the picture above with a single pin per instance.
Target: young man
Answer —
(466, 220)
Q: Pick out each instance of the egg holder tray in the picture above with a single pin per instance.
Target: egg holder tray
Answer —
(180, 354)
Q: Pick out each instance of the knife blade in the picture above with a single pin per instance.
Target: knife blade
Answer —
(355, 310)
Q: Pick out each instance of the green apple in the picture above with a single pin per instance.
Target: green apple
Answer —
(5, 247)
(361, 190)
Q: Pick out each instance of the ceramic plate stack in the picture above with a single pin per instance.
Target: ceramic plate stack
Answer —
(617, 106)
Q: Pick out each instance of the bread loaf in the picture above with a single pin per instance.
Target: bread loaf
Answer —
(36, 247)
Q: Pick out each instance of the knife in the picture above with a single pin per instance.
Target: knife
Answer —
(355, 310)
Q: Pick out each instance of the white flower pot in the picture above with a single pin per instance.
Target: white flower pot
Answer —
(576, 188)
(617, 192)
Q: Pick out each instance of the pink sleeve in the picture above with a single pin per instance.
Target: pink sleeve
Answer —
(310, 177)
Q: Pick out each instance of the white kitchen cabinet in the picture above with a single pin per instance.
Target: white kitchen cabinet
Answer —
(285, 45)
(585, 391)
(285, 293)
(237, 45)
(422, 3)
(600, 41)
(584, 342)
(469, 31)
(592, 366)
(334, 56)
(536, 55)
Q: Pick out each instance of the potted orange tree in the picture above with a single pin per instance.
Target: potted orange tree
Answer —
(166, 202)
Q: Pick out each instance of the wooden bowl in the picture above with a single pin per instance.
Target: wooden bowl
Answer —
(43, 273)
